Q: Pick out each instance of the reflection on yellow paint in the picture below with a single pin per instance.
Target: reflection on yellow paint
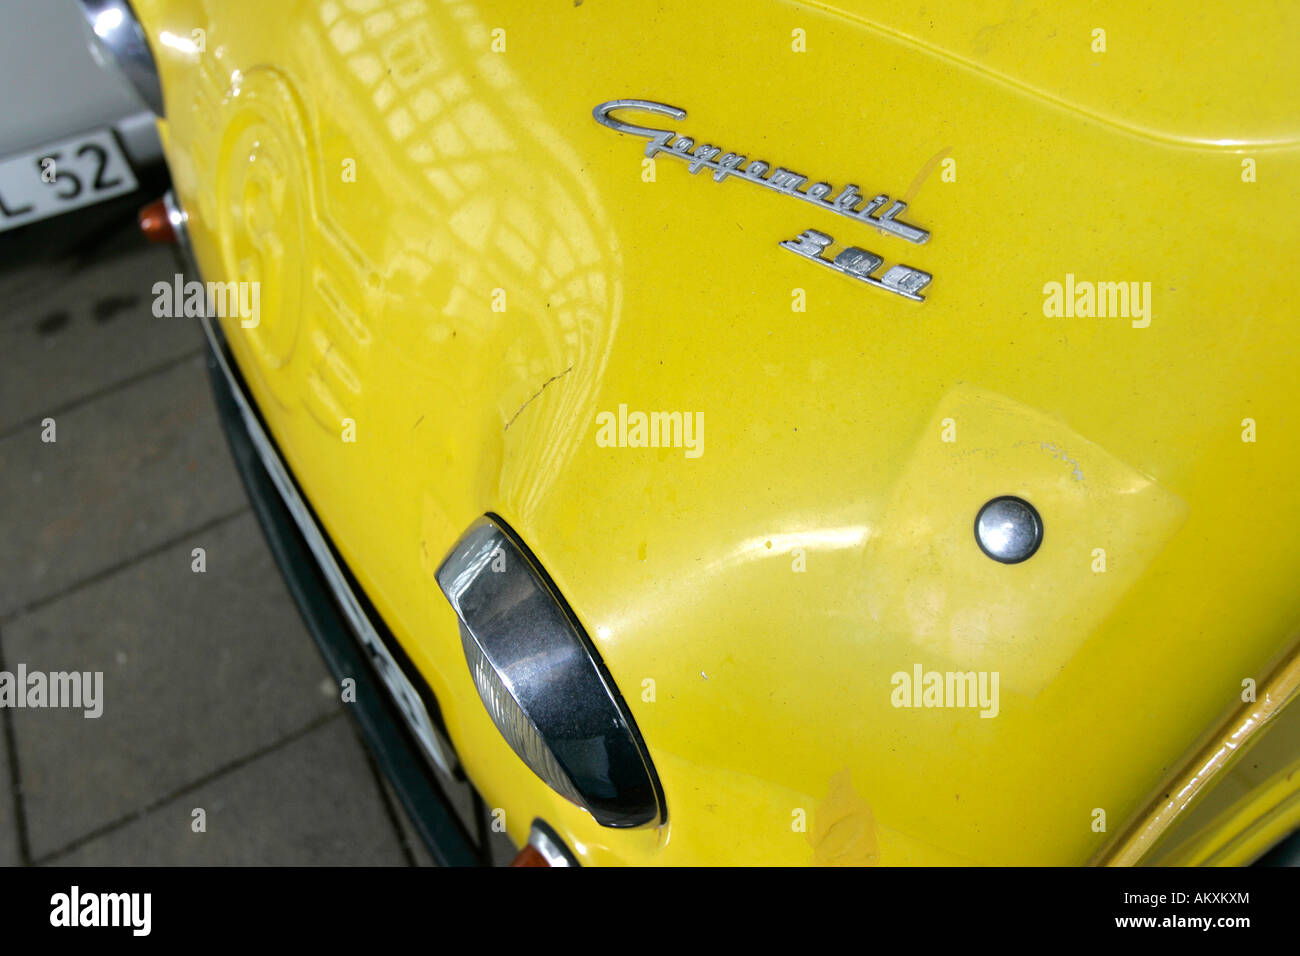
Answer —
(1027, 620)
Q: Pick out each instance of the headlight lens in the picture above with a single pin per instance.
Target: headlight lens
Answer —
(542, 681)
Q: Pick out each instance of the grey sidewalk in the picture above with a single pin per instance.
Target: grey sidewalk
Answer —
(214, 696)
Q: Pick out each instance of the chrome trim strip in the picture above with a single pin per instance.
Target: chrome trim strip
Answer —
(118, 31)
(552, 852)
(179, 220)
(404, 695)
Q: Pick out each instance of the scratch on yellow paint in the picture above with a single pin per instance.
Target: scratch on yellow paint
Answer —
(843, 827)
(930, 166)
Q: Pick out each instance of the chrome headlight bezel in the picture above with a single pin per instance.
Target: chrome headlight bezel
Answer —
(543, 682)
(118, 32)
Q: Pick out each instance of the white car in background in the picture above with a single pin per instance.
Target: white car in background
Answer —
(76, 125)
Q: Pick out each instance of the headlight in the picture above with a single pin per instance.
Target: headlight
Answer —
(118, 32)
(543, 683)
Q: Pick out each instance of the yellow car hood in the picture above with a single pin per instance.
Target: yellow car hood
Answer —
(1214, 73)
(498, 270)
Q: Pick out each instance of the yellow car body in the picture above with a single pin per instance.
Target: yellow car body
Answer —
(459, 264)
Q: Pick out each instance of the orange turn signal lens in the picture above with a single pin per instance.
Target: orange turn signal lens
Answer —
(530, 856)
(156, 223)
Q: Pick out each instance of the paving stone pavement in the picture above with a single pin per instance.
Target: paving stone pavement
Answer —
(312, 799)
(200, 669)
(130, 471)
(98, 323)
(214, 696)
(9, 850)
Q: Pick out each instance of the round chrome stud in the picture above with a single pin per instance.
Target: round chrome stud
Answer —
(1008, 529)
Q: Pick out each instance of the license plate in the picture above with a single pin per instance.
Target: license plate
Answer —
(62, 176)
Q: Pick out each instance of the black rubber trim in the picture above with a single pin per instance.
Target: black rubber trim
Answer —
(395, 750)
(1285, 853)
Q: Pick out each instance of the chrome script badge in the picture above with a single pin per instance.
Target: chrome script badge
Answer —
(784, 181)
(859, 264)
